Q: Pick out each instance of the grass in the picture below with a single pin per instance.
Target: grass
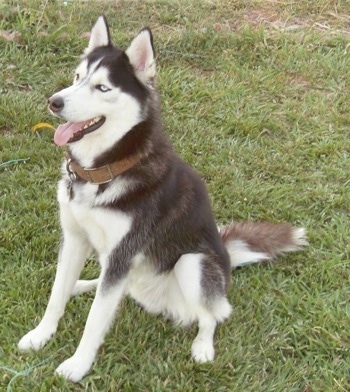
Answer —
(255, 96)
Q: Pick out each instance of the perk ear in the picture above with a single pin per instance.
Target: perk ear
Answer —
(99, 35)
(141, 56)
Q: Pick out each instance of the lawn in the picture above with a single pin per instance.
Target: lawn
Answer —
(256, 97)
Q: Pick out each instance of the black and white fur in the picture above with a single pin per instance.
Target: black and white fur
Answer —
(152, 227)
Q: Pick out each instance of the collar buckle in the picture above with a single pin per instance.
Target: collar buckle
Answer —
(71, 173)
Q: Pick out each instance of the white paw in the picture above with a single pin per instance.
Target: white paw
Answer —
(74, 368)
(202, 351)
(36, 338)
(84, 286)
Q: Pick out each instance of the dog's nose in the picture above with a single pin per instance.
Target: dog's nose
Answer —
(56, 104)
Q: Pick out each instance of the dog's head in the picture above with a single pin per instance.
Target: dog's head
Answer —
(110, 89)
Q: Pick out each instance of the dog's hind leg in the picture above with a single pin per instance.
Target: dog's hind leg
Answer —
(189, 273)
(84, 286)
(203, 345)
(74, 251)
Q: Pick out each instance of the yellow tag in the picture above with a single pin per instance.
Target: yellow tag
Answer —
(42, 125)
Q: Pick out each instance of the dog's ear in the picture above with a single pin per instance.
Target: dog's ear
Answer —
(142, 57)
(99, 35)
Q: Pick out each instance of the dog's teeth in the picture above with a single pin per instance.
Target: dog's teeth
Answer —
(92, 122)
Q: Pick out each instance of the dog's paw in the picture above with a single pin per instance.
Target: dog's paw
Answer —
(84, 286)
(36, 338)
(74, 368)
(202, 351)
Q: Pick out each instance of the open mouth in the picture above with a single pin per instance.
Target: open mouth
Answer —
(74, 131)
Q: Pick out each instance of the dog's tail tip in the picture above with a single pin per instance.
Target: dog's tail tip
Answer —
(299, 235)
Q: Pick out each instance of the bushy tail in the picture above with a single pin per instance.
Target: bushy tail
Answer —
(249, 242)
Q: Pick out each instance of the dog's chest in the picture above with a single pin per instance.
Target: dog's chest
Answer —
(103, 228)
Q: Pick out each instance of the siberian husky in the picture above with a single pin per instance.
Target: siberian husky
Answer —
(125, 195)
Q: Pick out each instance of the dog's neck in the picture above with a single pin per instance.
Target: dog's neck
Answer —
(102, 174)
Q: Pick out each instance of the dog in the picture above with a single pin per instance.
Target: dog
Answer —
(125, 195)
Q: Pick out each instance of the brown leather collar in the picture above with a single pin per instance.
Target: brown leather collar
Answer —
(99, 175)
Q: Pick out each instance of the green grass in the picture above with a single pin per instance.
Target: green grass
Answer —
(256, 97)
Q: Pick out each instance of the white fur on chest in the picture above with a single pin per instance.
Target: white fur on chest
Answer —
(103, 227)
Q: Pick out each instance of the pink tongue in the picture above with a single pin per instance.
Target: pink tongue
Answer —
(65, 131)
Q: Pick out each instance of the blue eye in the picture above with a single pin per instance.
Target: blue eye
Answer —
(102, 88)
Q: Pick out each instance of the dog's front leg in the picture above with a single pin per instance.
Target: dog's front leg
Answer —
(73, 254)
(98, 322)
